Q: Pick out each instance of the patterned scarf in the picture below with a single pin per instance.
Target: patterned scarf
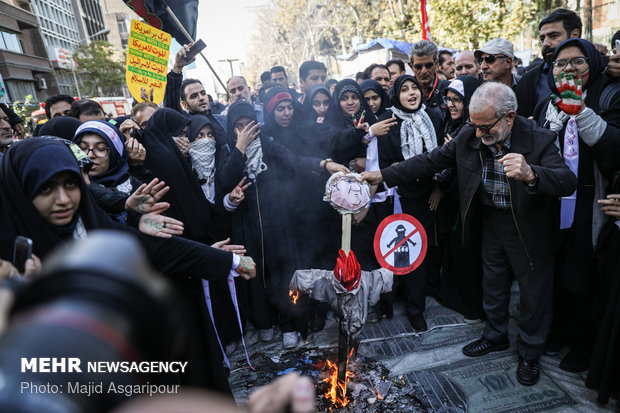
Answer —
(202, 155)
(254, 164)
(416, 131)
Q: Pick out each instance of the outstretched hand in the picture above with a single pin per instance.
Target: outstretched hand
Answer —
(225, 245)
(146, 198)
(570, 100)
(333, 167)
(373, 178)
(157, 225)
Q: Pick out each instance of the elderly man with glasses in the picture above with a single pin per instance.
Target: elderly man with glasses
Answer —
(511, 173)
(495, 62)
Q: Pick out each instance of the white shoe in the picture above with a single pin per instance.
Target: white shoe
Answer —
(266, 334)
(290, 339)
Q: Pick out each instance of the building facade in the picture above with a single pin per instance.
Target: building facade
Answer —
(24, 66)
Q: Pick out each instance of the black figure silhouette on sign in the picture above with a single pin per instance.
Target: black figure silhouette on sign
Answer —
(401, 255)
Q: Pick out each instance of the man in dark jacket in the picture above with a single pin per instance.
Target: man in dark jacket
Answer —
(558, 26)
(514, 179)
(190, 93)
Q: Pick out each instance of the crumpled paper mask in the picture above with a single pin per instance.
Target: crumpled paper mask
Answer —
(346, 194)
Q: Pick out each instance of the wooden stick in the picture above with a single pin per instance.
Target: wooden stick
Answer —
(189, 37)
(346, 233)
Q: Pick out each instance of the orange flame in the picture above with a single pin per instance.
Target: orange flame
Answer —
(337, 387)
(294, 294)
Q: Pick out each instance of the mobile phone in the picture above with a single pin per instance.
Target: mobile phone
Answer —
(21, 253)
(194, 50)
(617, 46)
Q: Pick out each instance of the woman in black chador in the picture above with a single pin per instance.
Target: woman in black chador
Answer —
(261, 223)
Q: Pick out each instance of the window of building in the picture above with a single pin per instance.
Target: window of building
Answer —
(122, 25)
(10, 42)
(18, 89)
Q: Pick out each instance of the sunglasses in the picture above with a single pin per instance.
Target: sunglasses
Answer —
(484, 128)
(427, 65)
(490, 59)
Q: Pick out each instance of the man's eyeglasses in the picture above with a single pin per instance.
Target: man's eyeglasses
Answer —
(100, 151)
(575, 62)
(454, 100)
(484, 128)
(490, 59)
(427, 65)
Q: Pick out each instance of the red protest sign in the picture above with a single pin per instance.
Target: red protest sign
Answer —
(400, 243)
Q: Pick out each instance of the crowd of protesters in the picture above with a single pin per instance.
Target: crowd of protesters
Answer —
(513, 172)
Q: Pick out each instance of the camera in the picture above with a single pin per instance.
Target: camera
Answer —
(96, 302)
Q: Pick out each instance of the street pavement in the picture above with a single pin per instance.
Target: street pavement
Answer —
(397, 369)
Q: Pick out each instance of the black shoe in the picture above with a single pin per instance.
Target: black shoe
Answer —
(574, 363)
(483, 346)
(417, 322)
(317, 322)
(528, 371)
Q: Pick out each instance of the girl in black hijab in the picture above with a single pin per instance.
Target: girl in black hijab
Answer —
(343, 116)
(61, 126)
(375, 96)
(316, 103)
(414, 133)
(44, 198)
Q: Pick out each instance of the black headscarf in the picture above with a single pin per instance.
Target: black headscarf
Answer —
(396, 93)
(197, 123)
(371, 84)
(163, 158)
(309, 113)
(60, 126)
(239, 109)
(464, 86)
(336, 117)
(28, 165)
(595, 60)
(118, 168)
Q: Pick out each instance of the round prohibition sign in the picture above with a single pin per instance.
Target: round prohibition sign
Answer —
(400, 243)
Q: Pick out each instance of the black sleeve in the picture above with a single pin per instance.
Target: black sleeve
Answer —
(347, 144)
(231, 171)
(180, 257)
(172, 96)
(607, 150)
(288, 159)
(425, 164)
(554, 177)
(108, 199)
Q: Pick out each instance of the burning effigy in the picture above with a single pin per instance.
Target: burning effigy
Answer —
(347, 289)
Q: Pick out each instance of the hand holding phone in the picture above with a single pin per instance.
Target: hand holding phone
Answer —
(194, 49)
(21, 253)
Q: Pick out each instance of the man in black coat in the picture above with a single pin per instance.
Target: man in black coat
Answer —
(514, 177)
(189, 95)
(558, 26)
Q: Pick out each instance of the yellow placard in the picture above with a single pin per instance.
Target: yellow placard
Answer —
(147, 61)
